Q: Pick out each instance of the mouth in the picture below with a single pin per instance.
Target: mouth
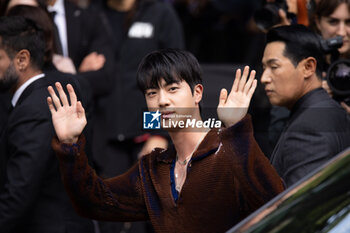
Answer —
(268, 92)
(345, 41)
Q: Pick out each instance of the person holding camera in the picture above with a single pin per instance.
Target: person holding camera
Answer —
(276, 13)
(317, 128)
(332, 18)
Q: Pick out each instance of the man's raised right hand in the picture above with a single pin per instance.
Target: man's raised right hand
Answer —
(68, 119)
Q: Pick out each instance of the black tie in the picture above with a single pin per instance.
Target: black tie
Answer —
(57, 41)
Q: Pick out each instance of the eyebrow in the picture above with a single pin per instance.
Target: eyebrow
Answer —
(333, 18)
(170, 83)
(272, 60)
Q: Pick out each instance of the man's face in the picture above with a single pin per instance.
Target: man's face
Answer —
(8, 74)
(284, 83)
(173, 99)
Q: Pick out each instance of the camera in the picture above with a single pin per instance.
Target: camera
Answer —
(338, 79)
(268, 16)
(338, 72)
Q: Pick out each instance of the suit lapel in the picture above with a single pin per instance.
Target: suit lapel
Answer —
(276, 151)
(34, 85)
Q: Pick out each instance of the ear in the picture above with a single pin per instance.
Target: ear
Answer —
(197, 93)
(308, 66)
(22, 60)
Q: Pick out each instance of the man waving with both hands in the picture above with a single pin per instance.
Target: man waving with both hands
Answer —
(209, 180)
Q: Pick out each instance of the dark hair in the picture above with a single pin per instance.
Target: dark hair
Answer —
(300, 43)
(324, 9)
(17, 33)
(327, 7)
(41, 17)
(172, 65)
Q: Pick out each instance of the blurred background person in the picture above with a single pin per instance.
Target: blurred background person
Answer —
(82, 36)
(332, 18)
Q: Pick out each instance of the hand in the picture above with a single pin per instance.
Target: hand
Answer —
(346, 107)
(327, 88)
(234, 107)
(151, 143)
(68, 120)
(63, 64)
(92, 62)
(284, 19)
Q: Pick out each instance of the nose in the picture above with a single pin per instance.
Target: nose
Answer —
(341, 29)
(163, 100)
(265, 78)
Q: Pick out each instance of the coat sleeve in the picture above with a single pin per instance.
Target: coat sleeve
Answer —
(255, 179)
(29, 155)
(115, 199)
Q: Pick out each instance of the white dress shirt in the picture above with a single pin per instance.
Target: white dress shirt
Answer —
(60, 21)
(20, 90)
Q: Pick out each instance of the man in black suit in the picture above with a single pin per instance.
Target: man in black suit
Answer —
(317, 128)
(83, 37)
(32, 196)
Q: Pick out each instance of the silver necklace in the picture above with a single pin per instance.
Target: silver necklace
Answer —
(180, 174)
(185, 161)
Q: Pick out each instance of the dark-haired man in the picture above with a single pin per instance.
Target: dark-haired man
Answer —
(207, 182)
(32, 196)
(317, 128)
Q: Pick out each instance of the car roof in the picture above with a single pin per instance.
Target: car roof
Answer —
(320, 202)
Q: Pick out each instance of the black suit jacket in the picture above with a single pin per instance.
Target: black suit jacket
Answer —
(86, 33)
(32, 196)
(5, 103)
(318, 129)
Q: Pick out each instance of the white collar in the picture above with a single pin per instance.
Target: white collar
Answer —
(20, 90)
(58, 7)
